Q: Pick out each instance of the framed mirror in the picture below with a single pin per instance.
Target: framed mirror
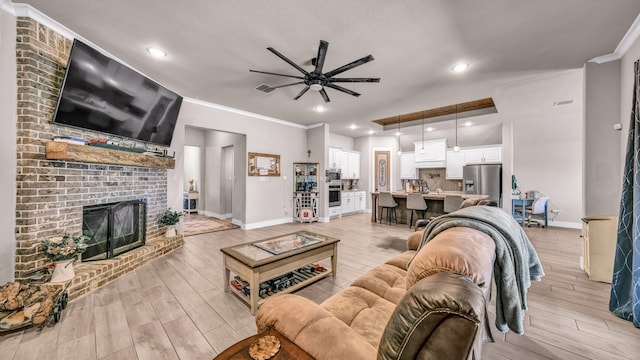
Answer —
(264, 164)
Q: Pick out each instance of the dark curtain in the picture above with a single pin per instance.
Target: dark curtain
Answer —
(625, 287)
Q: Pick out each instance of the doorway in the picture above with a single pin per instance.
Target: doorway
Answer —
(227, 179)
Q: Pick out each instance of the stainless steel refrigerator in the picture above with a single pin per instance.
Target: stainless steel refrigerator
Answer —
(483, 179)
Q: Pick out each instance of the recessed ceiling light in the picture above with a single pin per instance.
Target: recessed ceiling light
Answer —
(468, 123)
(429, 128)
(155, 52)
(353, 127)
(319, 109)
(397, 133)
(371, 132)
(460, 67)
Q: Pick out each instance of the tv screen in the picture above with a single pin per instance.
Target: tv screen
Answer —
(99, 93)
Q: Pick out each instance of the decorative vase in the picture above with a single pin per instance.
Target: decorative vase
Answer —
(171, 231)
(63, 271)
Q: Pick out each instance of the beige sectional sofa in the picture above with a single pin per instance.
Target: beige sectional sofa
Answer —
(427, 303)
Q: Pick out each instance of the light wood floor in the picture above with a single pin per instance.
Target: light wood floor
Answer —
(174, 307)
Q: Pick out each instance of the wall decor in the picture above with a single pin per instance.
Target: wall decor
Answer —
(264, 164)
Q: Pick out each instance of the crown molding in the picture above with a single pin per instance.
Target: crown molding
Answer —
(24, 10)
(243, 112)
(629, 38)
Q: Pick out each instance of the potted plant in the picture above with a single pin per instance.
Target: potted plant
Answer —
(63, 250)
(170, 219)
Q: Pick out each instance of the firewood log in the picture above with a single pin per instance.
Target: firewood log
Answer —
(43, 312)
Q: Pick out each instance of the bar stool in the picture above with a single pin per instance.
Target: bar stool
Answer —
(387, 202)
(452, 203)
(415, 202)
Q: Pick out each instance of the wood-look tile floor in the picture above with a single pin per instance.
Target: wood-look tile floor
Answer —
(174, 307)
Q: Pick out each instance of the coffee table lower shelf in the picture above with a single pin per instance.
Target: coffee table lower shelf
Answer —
(302, 278)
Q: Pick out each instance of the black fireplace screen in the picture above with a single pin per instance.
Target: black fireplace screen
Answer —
(113, 228)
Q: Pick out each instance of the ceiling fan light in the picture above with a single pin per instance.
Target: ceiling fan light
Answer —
(315, 87)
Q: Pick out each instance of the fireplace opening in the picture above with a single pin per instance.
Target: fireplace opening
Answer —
(114, 228)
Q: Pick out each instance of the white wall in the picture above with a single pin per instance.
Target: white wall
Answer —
(340, 141)
(267, 198)
(317, 142)
(8, 96)
(547, 139)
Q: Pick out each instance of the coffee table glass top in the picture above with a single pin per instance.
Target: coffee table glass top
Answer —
(282, 245)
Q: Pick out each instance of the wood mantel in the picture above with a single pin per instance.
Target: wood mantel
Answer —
(55, 150)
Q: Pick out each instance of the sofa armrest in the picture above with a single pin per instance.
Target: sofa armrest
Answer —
(414, 239)
(439, 317)
(312, 328)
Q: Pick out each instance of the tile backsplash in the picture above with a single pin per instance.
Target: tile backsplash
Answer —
(436, 178)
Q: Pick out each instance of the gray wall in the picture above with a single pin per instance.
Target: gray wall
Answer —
(601, 175)
(317, 142)
(343, 142)
(7, 145)
(267, 200)
(215, 141)
(626, 88)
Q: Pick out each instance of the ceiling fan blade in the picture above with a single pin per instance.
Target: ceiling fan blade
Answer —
(350, 65)
(322, 54)
(324, 95)
(296, 83)
(344, 90)
(301, 93)
(287, 60)
(337, 80)
(276, 74)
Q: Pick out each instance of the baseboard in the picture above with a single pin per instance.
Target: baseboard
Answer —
(565, 224)
(267, 223)
(238, 222)
(323, 219)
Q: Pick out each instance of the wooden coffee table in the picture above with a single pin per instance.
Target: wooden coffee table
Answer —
(266, 261)
(240, 350)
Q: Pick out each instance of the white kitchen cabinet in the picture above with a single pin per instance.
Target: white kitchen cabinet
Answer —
(455, 163)
(350, 161)
(408, 166)
(361, 201)
(335, 212)
(434, 150)
(353, 202)
(483, 155)
(334, 158)
(348, 203)
(434, 155)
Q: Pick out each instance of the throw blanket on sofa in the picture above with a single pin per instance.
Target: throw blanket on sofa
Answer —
(516, 262)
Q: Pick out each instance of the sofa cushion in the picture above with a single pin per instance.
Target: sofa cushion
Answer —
(460, 249)
(362, 310)
(386, 281)
(402, 260)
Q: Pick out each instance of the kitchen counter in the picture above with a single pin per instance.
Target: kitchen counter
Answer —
(434, 200)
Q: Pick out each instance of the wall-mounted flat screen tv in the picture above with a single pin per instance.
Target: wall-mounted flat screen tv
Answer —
(99, 93)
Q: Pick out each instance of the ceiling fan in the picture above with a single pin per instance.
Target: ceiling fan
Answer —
(317, 80)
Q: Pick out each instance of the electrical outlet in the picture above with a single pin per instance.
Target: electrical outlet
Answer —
(555, 211)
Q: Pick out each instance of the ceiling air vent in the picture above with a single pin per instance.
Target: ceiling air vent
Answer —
(563, 102)
(264, 88)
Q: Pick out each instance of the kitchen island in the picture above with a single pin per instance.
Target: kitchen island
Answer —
(434, 200)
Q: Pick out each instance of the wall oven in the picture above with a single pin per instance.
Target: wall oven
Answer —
(334, 193)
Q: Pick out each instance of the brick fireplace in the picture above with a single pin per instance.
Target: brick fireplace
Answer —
(51, 194)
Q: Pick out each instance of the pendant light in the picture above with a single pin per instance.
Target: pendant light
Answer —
(422, 151)
(399, 148)
(456, 148)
